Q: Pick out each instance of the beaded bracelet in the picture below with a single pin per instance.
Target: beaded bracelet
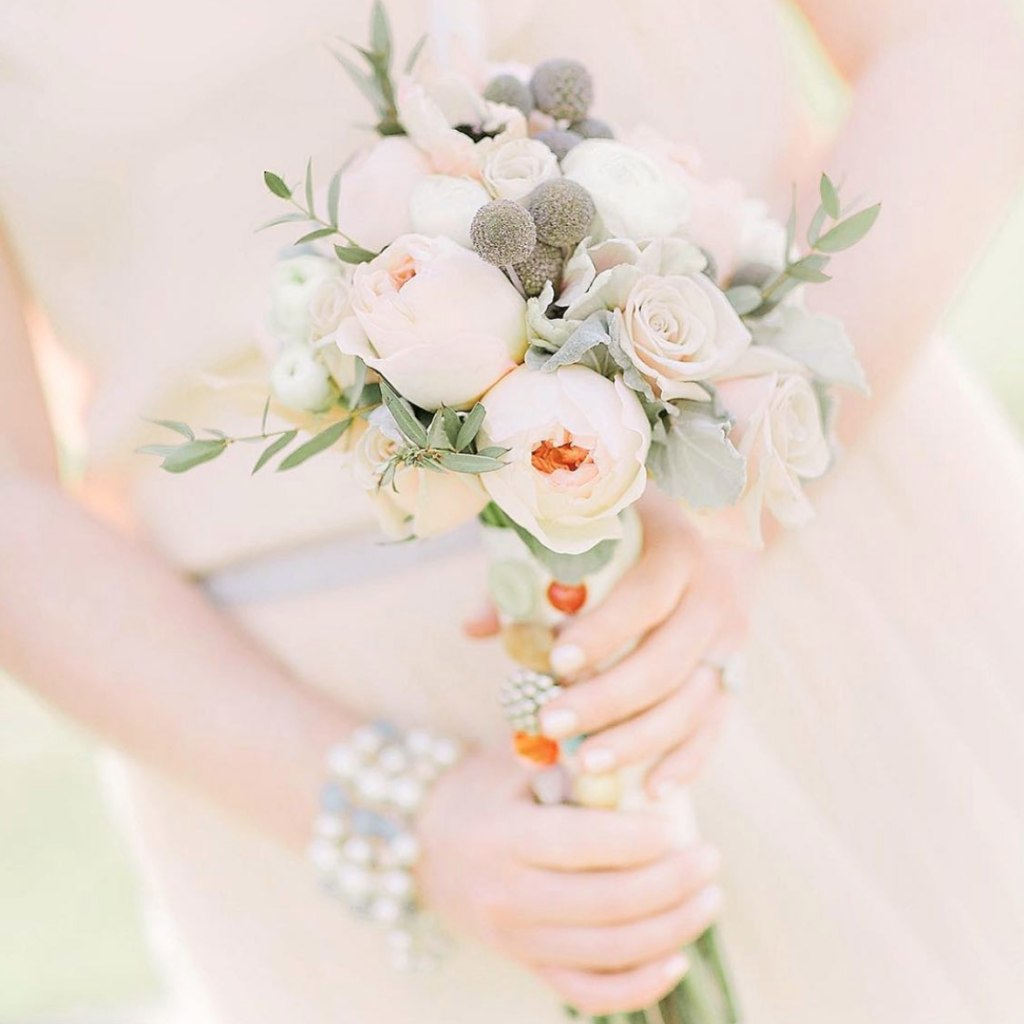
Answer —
(364, 847)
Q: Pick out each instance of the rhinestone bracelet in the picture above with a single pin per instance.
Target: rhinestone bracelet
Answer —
(364, 847)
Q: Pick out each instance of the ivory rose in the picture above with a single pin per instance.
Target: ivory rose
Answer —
(376, 191)
(578, 445)
(637, 195)
(680, 330)
(435, 320)
(418, 502)
(778, 429)
(516, 168)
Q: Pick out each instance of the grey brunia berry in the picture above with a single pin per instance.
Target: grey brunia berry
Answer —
(544, 264)
(563, 89)
(592, 128)
(503, 233)
(562, 211)
(559, 141)
(511, 91)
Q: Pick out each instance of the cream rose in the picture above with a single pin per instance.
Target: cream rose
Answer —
(419, 502)
(446, 205)
(440, 324)
(778, 429)
(637, 195)
(679, 330)
(294, 283)
(516, 168)
(578, 446)
(328, 306)
(375, 192)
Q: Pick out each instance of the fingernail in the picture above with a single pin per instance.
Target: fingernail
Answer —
(675, 967)
(559, 723)
(708, 901)
(567, 659)
(599, 760)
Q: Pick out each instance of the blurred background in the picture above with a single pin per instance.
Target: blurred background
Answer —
(73, 947)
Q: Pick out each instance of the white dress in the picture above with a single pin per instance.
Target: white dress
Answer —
(868, 796)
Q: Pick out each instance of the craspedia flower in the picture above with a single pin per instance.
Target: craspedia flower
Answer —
(592, 128)
(544, 264)
(511, 91)
(559, 140)
(503, 233)
(562, 211)
(563, 89)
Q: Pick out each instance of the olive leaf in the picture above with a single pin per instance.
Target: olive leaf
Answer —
(320, 442)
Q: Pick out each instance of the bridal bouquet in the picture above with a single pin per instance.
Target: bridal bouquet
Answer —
(502, 308)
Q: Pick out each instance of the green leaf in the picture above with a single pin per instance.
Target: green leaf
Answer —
(276, 185)
(452, 426)
(829, 197)
(266, 413)
(462, 462)
(178, 427)
(380, 31)
(333, 194)
(697, 462)
(314, 235)
(354, 394)
(494, 452)
(193, 453)
(817, 223)
(437, 433)
(285, 218)
(470, 427)
(744, 298)
(414, 55)
(315, 445)
(404, 416)
(791, 225)
(273, 448)
(810, 269)
(309, 187)
(569, 568)
(367, 86)
(163, 450)
(354, 254)
(849, 232)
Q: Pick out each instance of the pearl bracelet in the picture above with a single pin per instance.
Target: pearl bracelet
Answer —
(364, 848)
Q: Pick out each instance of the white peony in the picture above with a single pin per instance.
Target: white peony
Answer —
(516, 168)
(637, 195)
(375, 192)
(300, 381)
(446, 205)
(419, 502)
(578, 446)
(435, 320)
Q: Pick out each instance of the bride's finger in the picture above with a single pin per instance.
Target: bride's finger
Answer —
(664, 727)
(643, 678)
(482, 623)
(596, 994)
(683, 764)
(644, 597)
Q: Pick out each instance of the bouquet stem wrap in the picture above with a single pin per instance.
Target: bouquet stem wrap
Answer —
(532, 602)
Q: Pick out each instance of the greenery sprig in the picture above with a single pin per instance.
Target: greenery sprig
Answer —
(446, 443)
(843, 233)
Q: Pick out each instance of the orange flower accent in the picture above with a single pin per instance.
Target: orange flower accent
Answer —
(548, 457)
(567, 598)
(536, 749)
(403, 273)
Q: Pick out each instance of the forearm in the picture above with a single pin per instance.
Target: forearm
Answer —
(936, 133)
(105, 631)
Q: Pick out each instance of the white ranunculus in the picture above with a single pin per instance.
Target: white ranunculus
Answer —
(778, 429)
(680, 330)
(419, 502)
(637, 195)
(435, 320)
(293, 284)
(375, 192)
(514, 169)
(578, 446)
(328, 306)
(446, 205)
(300, 381)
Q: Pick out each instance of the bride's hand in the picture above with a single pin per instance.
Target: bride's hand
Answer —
(686, 601)
(596, 903)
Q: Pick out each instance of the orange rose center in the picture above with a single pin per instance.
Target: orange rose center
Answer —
(548, 457)
(402, 273)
